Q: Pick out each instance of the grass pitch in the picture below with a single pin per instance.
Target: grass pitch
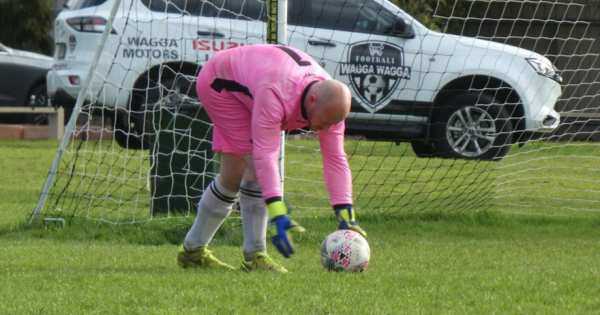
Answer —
(477, 262)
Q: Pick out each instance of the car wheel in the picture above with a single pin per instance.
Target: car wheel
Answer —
(130, 125)
(40, 99)
(472, 126)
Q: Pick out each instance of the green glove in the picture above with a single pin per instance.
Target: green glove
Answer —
(345, 216)
(279, 224)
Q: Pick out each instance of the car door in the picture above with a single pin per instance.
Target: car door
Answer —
(354, 42)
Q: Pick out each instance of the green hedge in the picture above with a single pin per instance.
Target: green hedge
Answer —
(423, 11)
(26, 25)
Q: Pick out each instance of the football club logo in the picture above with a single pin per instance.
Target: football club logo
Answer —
(375, 69)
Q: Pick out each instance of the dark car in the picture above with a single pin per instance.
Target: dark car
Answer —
(23, 83)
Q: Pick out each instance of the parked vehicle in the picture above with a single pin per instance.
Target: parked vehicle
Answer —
(449, 96)
(23, 83)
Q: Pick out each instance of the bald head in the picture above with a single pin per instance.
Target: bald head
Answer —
(327, 104)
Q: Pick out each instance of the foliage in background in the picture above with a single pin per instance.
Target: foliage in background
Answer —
(430, 13)
(26, 25)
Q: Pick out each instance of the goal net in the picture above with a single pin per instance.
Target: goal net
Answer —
(440, 122)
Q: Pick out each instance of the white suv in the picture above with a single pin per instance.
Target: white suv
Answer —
(449, 96)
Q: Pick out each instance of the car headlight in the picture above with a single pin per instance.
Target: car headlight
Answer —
(544, 67)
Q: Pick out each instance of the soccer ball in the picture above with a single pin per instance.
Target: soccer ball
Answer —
(374, 86)
(345, 250)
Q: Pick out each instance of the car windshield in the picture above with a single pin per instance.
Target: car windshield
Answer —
(80, 4)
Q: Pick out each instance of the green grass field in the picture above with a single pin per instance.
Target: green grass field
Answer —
(459, 262)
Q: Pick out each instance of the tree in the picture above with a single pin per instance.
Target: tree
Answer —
(26, 25)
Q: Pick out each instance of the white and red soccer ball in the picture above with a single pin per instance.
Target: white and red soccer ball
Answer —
(345, 250)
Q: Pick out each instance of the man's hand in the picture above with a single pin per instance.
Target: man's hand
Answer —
(345, 216)
(279, 225)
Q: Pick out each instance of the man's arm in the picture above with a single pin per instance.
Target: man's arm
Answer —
(336, 170)
(267, 118)
(338, 177)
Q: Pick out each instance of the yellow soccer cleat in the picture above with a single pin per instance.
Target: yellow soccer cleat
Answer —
(202, 258)
(262, 261)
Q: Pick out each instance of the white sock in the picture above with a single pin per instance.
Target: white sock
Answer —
(254, 219)
(214, 207)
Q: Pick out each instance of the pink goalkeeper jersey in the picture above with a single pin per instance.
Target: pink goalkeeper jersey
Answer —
(270, 81)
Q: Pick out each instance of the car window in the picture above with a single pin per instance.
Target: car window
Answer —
(225, 9)
(344, 15)
(80, 4)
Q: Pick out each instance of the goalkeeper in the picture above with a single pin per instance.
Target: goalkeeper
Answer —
(251, 94)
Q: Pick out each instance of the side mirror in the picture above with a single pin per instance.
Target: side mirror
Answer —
(403, 28)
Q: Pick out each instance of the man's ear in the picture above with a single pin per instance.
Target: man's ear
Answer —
(312, 98)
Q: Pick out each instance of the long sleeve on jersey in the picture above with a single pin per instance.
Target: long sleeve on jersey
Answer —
(336, 171)
(266, 136)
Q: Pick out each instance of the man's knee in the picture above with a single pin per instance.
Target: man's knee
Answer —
(232, 171)
(250, 172)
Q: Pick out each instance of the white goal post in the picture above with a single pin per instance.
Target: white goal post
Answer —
(461, 106)
(71, 124)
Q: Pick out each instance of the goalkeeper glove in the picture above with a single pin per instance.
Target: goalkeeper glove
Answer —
(279, 225)
(345, 216)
